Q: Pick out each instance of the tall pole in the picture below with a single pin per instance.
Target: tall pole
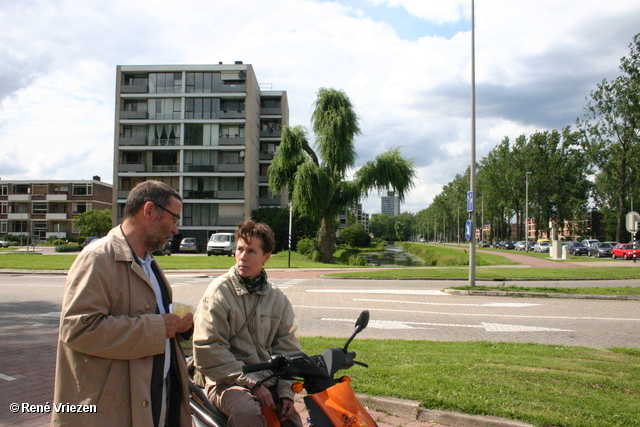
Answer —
(472, 214)
(290, 226)
(526, 212)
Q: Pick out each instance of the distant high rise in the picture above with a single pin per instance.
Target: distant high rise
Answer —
(390, 204)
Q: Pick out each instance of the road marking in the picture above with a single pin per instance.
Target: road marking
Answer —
(488, 327)
(380, 291)
(290, 283)
(494, 304)
(7, 377)
(473, 314)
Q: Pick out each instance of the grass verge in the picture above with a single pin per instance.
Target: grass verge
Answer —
(622, 290)
(37, 261)
(441, 256)
(543, 385)
(500, 273)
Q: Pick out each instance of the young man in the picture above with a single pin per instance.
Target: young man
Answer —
(118, 346)
(242, 319)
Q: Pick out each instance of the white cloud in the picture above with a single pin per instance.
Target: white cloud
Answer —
(535, 64)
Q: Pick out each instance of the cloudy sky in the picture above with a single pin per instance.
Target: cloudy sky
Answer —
(406, 65)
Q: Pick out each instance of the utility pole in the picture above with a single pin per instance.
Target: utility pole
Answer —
(472, 213)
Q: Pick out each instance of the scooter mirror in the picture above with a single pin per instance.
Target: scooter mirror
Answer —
(363, 321)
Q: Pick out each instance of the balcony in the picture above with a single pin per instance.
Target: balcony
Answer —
(229, 220)
(231, 140)
(133, 115)
(19, 197)
(57, 235)
(232, 114)
(135, 88)
(230, 194)
(267, 156)
(123, 194)
(274, 133)
(133, 140)
(56, 216)
(132, 167)
(165, 142)
(271, 201)
(231, 168)
(19, 216)
(233, 87)
(56, 197)
(271, 111)
(199, 168)
(164, 168)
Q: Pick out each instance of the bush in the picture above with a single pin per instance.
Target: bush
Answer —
(357, 260)
(356, 236)
(68, 248)
(309, 248)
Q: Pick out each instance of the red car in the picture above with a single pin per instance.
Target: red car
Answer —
(624, 251)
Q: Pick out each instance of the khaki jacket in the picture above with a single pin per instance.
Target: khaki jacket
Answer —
(109, 333)
(220, 344)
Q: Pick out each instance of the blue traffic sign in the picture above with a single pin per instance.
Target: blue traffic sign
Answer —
(470, 206)
(468, 229)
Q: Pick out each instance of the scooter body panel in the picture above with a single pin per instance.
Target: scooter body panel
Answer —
(337, 406)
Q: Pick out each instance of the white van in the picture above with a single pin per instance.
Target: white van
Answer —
(221, 243)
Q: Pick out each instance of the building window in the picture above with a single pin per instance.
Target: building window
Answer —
(165, 108)
(165, 134)
(231, 132)
(165, 82)
(3, 227)
(271, 103)
(199, 214)
(21, 189)
(81, 207)
(4, 189)
(201, 82)
(82, 189)
(200, 108)
(39, 208)
(4, 208)
(232, 105)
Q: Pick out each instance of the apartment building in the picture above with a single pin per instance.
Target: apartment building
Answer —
(39, 210)
(209, 131)
(390, 204)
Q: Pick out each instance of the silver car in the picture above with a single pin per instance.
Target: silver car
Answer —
(542, 247)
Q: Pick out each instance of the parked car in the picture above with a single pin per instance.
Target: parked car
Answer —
(542, 247)
(497, 244)
(577, 248)
(4, 244)
(588, 242)
(520, 245)
(600, 249)
(189, 244)
(221, 244)
(166, 250)
(89, 240)
(483, 244)
(508, 245)
(622, 250)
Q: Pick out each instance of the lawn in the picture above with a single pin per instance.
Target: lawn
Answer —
(543, 385)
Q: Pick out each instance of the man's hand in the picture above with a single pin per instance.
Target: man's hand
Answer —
(172, 323)
(264, 397)
(186, 323)
(288, 407)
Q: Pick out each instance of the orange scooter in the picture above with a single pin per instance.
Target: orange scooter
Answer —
(330, 401)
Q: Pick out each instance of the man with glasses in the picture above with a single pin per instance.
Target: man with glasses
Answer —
(118, 347)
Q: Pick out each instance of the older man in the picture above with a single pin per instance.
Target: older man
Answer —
(118, 347)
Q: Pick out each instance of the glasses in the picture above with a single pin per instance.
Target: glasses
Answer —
(176, 216)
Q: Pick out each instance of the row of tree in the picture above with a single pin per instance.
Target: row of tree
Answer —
(594, 163)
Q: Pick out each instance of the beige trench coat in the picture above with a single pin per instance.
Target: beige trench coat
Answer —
(220, 344)
(109, 333)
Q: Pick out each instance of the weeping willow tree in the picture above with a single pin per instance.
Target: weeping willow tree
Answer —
(318, 183)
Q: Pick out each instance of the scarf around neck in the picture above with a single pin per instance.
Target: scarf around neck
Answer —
(253, 284)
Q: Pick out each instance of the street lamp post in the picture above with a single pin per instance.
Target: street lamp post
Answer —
(526, 214)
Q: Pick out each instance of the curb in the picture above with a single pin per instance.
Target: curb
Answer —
(541, 295)
(411, 409)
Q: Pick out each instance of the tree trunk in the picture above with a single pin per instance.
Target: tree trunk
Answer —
(327, 238)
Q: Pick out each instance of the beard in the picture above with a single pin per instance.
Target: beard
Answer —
(156, 238)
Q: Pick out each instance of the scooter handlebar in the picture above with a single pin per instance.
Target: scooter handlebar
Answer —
(255, 367)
